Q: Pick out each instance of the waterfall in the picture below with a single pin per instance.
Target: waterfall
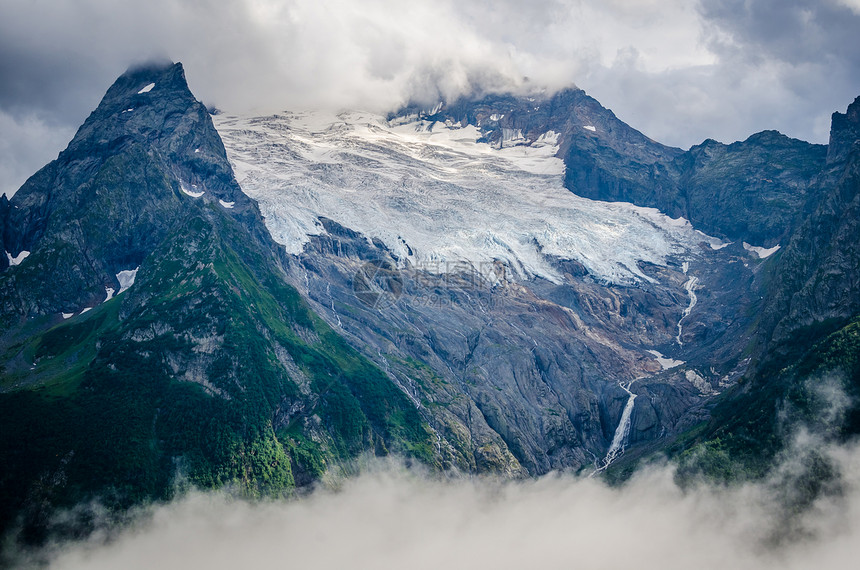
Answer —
(690, 286)
(619, 440)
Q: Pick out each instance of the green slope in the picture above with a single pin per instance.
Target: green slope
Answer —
(210, 369)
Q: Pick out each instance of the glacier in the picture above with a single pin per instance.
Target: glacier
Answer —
(437, 197)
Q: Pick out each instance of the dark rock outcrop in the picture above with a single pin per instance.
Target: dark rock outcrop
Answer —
(107, 200)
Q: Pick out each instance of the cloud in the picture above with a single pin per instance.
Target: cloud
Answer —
(391, 518)
(804, 514)
(680, 71)
(25, 140)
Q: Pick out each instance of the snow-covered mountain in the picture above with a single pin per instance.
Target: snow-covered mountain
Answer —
(506, 285)
(467, 240)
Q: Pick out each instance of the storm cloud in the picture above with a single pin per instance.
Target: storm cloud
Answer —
(679, 71)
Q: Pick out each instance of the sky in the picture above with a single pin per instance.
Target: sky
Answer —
(680, 71)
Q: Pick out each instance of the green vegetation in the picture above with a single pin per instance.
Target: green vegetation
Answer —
(183, 380)
(750, 424)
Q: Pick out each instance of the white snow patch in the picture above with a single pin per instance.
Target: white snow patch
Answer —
(128, 110)
(438, 198)
(589, 128)
(685, 267)
(496, 117)
(761, 252)
(109, 291)
(196, 150)
(68, 315)
(718, 245)
(191, 193)
(126, 279)
(228, 205)
(146, 89)
(87, 309)
(665, 363)
(18, 258)
(700, 383)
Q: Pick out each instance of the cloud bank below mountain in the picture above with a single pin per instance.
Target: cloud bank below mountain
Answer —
(391, 518)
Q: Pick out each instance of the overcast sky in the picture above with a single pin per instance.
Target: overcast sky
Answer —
(678, 70)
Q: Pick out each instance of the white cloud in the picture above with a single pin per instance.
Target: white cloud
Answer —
(392, 519)
(853, 5)
(680, 71)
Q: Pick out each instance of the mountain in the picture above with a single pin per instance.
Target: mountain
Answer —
(525, 306)
(754, 191)
(808, 337)
(184, 356)
(507, 285)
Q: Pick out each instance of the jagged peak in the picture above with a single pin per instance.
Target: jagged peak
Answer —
(844, 133)
(138, 88)
(155, 78)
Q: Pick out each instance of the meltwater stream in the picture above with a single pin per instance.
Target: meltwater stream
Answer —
(619, 440)
(690, 286)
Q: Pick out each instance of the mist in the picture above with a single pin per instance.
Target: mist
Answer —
(392, 517)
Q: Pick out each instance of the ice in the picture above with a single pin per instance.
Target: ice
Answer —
(700, 383)
(18, 258)
(109, 291)
(761, 252)
(590, 128)
(436, 197)
(665, 363)
(228, 205)
(146, 89)
(191, 193)
(126, 279)
(68, 315)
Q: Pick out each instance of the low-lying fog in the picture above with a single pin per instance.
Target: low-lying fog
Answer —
(390, 517)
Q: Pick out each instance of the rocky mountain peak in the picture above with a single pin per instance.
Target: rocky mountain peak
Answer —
(844, 133)
(144, 158)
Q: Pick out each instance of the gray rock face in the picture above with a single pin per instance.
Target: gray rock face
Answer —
(109, 198)
(533, 369)
(817, 281)
(756, 190)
